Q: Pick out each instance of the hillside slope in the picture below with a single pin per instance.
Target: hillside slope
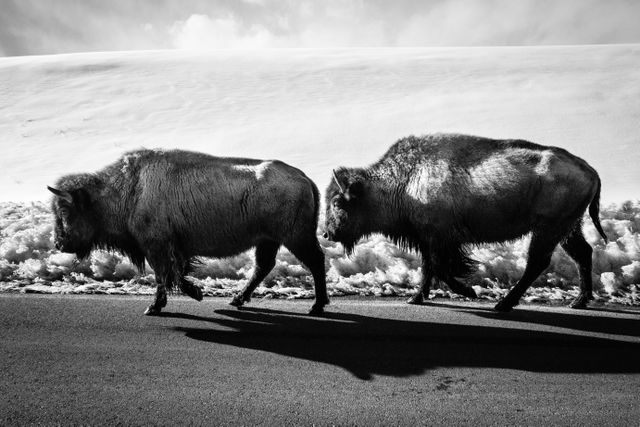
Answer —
(316, 109)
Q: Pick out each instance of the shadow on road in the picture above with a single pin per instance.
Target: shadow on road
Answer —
(575, 320)
(366, 346)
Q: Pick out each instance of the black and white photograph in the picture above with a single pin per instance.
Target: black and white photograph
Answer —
(319, 212)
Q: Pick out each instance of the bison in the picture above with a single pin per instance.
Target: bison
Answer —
(167, 207)
(441, 194)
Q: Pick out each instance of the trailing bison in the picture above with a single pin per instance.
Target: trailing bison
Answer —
(167, 207)
(440, 194)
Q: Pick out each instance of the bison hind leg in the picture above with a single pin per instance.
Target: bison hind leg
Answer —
(581, 301)
(308, 251)
(540, 251)
(417, 299)
(576, 246)
(266, 252)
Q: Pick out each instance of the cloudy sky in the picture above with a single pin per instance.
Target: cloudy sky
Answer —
(29, 27)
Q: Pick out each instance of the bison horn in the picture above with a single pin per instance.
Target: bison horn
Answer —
(335, 178)
(64, 195)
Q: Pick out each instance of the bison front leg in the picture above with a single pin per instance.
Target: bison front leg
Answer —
(160, 262)
(427, 277)
(265, 261)
(425, 285)
(170, 267)
(160, 299)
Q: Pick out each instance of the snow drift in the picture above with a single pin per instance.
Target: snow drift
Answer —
(29, 263)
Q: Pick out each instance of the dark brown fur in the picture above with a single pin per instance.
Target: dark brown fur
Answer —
(167, 207)
(440, 193)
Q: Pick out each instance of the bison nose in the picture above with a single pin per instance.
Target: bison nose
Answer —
(57, 245)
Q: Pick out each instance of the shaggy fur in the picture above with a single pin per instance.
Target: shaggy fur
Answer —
(168, 207)
(441, 193)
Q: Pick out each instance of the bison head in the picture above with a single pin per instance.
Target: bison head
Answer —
(346, 214)
(74, 231)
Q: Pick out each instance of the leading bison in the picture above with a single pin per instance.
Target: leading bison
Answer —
(169, 206)
(441, 193)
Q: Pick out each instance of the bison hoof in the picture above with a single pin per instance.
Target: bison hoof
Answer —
(317, 310)
(237, 301)
(193, 291)
(417, 299)
(152, 310)
(503, 306)
(471, 293)
(581, 301)
(161, 301)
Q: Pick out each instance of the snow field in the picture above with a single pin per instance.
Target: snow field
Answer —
(316, 109)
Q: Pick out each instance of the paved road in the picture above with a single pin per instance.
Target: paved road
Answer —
(98, 360)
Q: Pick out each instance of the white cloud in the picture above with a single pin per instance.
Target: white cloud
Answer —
(354, 23)
(306, 25)
(30, 27)
(203, 32)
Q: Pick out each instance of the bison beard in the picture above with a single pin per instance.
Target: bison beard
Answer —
(440, 194)
(167, 207)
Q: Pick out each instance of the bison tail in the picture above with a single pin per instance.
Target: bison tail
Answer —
(316, 200)
(594, 212)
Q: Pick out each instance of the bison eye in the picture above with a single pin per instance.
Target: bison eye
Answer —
(65, 217)
(337, 203)
(66, 213)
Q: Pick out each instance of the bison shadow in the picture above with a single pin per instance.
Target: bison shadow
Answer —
(367, 346)
(574, 320)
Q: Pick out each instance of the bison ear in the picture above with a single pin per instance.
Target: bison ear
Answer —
(64, 195)
(78, 198)
(355, 190)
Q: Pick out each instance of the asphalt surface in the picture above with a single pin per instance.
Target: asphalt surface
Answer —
(97, 360)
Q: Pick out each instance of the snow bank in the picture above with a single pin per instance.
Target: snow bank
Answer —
(29, 263)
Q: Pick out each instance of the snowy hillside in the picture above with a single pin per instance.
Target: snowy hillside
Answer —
(315, 109)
